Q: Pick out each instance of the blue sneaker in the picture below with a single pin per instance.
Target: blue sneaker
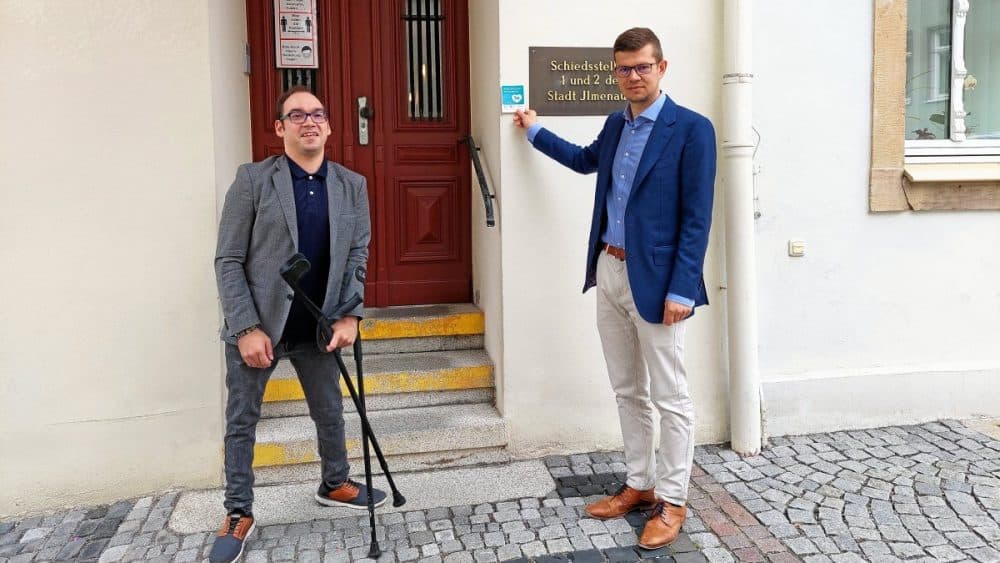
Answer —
(232, 535)
(349, 494)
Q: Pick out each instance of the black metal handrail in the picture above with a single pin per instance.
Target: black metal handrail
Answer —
(487, 196)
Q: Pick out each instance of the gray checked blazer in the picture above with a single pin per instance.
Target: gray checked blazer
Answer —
(258, 232)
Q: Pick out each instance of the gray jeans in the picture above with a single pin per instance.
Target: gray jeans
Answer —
(320, 379)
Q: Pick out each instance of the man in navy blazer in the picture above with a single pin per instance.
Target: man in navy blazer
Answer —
(655, 164)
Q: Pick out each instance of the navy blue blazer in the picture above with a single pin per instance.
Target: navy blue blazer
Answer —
(669, 211)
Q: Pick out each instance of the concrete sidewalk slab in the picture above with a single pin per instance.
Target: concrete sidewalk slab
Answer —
(201, 511)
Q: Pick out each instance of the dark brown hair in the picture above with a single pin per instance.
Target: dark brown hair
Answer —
(279, 106)
(637, 38)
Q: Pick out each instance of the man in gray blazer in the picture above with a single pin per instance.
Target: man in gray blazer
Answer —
(296, 202)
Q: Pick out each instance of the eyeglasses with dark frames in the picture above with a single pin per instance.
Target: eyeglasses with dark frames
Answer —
(299, 117)
(642, 69)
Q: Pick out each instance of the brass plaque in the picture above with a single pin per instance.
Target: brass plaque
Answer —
(573, 81)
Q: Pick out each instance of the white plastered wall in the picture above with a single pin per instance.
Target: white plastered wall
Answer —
(555, 389)
(110, 367)
(888, 318)
(484, 68)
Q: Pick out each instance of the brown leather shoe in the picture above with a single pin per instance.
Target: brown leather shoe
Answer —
(621, 503)
(663, 527)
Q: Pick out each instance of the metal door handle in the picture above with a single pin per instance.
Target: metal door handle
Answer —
(364, 114)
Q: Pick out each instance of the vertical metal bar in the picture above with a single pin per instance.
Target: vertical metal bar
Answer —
(420, 62)
(411, 39)
(438, 48)
(428, 75)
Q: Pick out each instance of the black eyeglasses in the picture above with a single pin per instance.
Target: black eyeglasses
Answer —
(298, 117)
(642, 69)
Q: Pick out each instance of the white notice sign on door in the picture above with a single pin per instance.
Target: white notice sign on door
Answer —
(295, 34)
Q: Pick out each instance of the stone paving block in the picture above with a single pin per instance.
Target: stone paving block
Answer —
(620, 555)
(522, 537)
(718, 555)
(581, 543)
(559, 545)
(985, 554)
(846, 542)
(801, 546)
(965, 540)
(783, 530)
(113, 554)
(508, 552)
(875, 548)
(603, 541)
(895, 533)
(408, 554)
(945, 553)
(460, 557)
(736, 541)
(626, 539)
(494, 539)
(513, 526)
(484, 556)
(419, 526)
(796, 516)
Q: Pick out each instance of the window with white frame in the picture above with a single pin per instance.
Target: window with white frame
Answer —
(953, 80)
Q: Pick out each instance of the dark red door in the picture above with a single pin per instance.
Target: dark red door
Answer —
(406, 61)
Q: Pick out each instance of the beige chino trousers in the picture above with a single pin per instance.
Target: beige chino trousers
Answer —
(646, 369)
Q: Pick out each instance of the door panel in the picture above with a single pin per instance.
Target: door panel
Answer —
(409, 58)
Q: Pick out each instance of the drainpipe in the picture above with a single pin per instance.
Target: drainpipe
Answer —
(741, 273)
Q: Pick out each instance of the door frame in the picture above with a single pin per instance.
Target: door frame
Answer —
(265, 83)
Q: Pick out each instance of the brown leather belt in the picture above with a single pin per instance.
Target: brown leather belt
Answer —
(618, 253)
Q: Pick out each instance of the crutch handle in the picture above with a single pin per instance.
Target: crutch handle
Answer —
(327, 320)
(344, 308)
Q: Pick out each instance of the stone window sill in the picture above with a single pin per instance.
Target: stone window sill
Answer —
(952, 186)
(936, 187)
(952, 173)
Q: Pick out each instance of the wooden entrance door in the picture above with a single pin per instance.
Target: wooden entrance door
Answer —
(404, 64)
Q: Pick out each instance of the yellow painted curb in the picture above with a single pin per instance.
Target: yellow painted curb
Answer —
(451, 325)
(471, 377)
(270, 455)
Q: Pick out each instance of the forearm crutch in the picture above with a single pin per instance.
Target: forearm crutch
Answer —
(292, 272)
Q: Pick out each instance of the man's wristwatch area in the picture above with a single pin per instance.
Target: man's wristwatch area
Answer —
(246, 331)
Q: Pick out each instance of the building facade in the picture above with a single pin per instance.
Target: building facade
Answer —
(112, 371)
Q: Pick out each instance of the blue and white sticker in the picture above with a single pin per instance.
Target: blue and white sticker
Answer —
(512, 98)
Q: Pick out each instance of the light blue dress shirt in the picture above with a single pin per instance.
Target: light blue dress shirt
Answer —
(630, 147)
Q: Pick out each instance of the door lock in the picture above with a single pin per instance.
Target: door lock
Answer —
(365, 113)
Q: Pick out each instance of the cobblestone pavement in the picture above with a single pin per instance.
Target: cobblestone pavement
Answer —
(918, 493)
(927, 493)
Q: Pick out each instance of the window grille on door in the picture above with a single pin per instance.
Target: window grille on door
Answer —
(298, 76)
(423, 43)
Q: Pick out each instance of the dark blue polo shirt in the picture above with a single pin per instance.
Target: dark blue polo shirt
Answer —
(313, 216)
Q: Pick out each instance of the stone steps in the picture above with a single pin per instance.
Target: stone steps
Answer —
(387, 401)
(429, 393)
(392, 374)
(290, 440)
(422, 321)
